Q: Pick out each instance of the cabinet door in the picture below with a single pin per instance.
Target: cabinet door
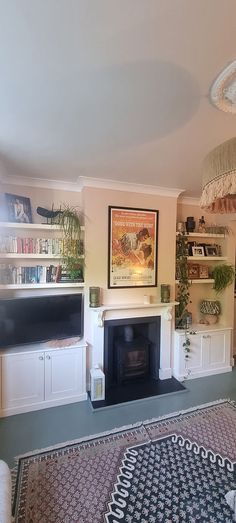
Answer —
(194, 365)
(65, 373)
(196, 355)
(22, 379)
(217, 345)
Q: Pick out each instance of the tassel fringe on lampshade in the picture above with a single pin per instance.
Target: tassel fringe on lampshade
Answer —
(219, 179)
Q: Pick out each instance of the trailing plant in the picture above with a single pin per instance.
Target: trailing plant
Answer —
(186, 348)
(69, 220)
(183, 296)
(223, 276)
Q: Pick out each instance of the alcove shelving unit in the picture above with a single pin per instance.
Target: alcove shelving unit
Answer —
(210, 344)
(24, 228)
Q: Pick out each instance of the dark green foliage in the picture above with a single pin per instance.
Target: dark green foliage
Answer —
(183, 296)
(223, 276)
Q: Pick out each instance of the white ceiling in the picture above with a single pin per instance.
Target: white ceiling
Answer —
(113, 89)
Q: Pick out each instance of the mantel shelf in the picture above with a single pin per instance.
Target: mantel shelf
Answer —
(126, 306)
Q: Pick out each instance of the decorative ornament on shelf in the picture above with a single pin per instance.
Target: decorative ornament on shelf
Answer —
(211, 310)
(94, 297)
(165, 293)
(190, 224)
(202, 225)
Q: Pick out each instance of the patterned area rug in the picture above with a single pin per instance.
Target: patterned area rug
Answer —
(173, 469)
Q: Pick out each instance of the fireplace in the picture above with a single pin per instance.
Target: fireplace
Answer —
(136, 367)
(131, 350)
(132, 359)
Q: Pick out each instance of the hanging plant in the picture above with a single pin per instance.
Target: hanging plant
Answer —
(223, 275)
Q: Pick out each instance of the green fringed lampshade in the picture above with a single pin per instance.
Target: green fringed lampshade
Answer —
(219, 179)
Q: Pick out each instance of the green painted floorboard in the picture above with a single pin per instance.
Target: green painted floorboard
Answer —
(35, 430)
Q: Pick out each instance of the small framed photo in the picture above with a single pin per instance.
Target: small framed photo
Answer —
(193, 271)
(203, 271)
(211, 250)
(18, 208)
(198, 250)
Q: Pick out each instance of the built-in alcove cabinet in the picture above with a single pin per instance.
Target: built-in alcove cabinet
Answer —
(210, 345)
(209, 352)
(34, 378)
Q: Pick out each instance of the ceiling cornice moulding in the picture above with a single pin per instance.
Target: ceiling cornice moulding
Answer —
(189, 200)
(129, 187)
(40, 182)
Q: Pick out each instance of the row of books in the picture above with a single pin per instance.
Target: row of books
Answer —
(12, 244)
(17, 275)
(51, 246)
(10, 274)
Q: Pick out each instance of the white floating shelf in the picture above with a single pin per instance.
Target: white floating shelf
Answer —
(31, 256)
(207, 258)
(32, 226)
(23, 286)
(203, 235)
(199, 280)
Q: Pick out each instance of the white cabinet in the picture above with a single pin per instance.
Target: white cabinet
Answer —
(209, 353)
(22, 379)
(62, 369)
(33, 379)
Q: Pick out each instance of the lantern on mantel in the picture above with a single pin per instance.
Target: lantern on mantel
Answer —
(219, 166)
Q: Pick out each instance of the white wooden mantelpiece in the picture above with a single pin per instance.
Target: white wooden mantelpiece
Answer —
(134, 310)
(104, 309)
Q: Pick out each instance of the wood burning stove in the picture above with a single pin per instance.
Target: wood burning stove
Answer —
(131, 358)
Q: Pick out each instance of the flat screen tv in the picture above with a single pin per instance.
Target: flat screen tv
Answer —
(38, 319)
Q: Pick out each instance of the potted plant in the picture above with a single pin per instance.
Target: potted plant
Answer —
(223, 276)
(69, 220)
(210, 310)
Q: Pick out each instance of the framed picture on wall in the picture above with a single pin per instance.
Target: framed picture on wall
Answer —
(132, 247)
(18, 208)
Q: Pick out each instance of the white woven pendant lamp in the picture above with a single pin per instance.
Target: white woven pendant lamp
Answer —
(219, 167)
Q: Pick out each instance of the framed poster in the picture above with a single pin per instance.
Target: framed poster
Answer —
(132, 247)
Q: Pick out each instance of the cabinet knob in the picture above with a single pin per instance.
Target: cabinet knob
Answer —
(48, 357)
(40, 357)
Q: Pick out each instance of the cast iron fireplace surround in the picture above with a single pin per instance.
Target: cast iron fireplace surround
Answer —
(131, 366)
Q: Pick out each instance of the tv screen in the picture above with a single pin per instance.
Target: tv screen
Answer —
(37, 319)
